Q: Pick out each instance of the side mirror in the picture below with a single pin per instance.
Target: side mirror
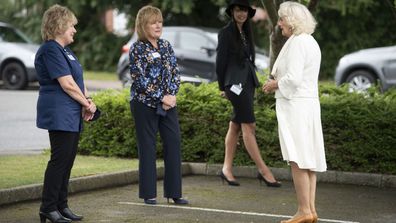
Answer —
(209, 51)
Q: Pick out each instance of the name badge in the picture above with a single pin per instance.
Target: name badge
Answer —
(156, 55)
(236, 88)
(70, 57)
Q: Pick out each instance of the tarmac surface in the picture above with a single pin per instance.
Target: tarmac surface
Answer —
(212, 201)
(114, 197)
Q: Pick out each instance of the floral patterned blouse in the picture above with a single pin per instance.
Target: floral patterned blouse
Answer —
(154, 72)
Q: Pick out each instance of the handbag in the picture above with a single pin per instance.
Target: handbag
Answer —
(96, 115)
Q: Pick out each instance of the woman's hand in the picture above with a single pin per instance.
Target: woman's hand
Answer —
(87, 115)
(91, 107)
(166, 107)
(169, 100)
(270, 86)
(223, 94)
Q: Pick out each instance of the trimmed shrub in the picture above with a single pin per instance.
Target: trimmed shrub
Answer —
(359, 129)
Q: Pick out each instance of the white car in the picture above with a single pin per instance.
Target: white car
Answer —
(17, 54)
(362, 69)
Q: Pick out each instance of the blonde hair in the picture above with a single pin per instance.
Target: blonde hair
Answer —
(56, 20)
(298, 17)
(144, 16)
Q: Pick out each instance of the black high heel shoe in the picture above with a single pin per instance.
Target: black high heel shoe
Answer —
(269, 184)
(54, 217)
(178, 200)
(230, 182)
(66, 212)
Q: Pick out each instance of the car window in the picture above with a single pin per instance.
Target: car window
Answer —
(8, 34)
(193, 41)
(212, 36)
(170, 36)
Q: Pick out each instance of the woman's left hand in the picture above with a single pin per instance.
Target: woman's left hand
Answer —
(87, 115)
(166, 107)
(169, 100)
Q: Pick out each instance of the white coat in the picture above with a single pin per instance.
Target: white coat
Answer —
(297, 103)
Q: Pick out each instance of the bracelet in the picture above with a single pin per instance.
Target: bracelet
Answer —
(88, 98)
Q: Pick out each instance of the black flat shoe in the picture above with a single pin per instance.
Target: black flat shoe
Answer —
(152, 201)
(54, 217)
(230, 182)
(69, 214)
(179, 201)
(269, 184)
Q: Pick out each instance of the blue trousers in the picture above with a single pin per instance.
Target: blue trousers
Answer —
(147, 124)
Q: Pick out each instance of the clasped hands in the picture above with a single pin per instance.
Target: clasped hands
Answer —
(270, 86)
(168, 102)
(89, 111)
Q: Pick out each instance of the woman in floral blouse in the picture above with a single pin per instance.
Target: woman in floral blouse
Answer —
(155, 84)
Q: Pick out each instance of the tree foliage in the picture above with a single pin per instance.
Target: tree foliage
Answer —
(343, 26)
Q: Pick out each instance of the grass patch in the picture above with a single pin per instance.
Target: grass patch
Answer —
(100, 76)
(19, 170)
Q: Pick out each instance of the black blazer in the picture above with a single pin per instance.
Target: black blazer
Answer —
(230, 67)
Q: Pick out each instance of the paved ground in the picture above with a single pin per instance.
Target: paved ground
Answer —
(213, 202)
(18, 131)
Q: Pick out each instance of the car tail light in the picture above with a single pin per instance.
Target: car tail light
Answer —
(125, 48)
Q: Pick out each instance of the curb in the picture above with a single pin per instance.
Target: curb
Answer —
(101, 181)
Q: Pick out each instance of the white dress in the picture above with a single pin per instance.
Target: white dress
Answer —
(297, 103)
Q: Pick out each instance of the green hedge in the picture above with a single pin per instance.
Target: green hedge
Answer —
(359, 130)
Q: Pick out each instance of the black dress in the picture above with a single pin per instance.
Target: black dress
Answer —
(242, 104)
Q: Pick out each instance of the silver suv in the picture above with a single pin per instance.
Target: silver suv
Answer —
(17, 54)
(362, 69)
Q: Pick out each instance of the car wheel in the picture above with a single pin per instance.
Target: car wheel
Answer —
(14, 76)
(360, 80)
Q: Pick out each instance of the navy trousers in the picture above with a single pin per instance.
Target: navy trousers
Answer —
(147, 124)
(57, 175)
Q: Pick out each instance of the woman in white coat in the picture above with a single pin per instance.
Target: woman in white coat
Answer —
(295, 83)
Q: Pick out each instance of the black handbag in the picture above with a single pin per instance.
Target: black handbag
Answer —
(96, 115)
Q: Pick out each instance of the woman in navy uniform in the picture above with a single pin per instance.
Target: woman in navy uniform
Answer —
(62, 105)
(155, 84)
(237, 80)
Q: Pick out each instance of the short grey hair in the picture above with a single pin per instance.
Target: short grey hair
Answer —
(298, 17)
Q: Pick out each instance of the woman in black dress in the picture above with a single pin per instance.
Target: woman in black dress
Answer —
(237, 82)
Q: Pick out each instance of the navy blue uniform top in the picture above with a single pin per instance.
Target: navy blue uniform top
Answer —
(56, 110)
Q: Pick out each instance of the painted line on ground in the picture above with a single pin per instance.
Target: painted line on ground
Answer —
(229, 211)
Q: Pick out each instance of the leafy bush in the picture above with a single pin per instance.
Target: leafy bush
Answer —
(359, 129)
(113, 134)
